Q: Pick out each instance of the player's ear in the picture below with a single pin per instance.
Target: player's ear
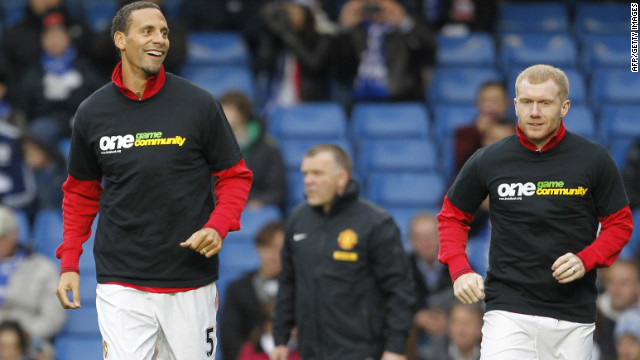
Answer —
(119, 40)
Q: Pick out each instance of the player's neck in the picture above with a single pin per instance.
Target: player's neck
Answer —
(134, 79)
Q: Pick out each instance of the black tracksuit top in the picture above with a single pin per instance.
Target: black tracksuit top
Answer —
(345, 282)
(543, 205)
(155, 157)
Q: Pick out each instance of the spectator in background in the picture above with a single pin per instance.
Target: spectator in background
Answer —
(9, 113)
(261, 343)
(106, 58)
(21, 45)
(259, 151)
(464, 334)
(622, 292)
(433, 287)
(14, 342)
(627, 333)
(381, 51)
(27, 285)
(247, 295)
(631, 175)
(48, 165)
(492, 103)
(17, 184)
(293, 56)
(60, 81)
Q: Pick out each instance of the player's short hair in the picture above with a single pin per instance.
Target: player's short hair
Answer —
(267, 232)
(540, 73)
(8, 223)
(340, 156)
(240, 101)
(122, 20)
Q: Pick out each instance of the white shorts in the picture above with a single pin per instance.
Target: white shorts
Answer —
(508, 336)
(133, 323)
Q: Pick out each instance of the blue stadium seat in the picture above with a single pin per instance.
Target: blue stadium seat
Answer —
(406, 189)
(24, 229)
(88, 284)
(70, 347)
(613, 87)
(293, 150)
(580, 120)
(619, 123)
(532, 18)
(522, 50)
(252, 221)
(216, 48)
(238, 257)
(295, 186)
(474, 50)
(173, 8)
(397, 120)
(395, 155)
(82, 321)
(447, 118)
(602, 18)
(605, 50)
(99, 13)
(221, 79)
(47, 232)
(326, 120)
(458, 85)
(577, 85)
(64, 145)
(14, 11)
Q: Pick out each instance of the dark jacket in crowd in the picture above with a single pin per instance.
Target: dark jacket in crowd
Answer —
(311, 49)
(631, 175)
(345, 281)
(405, 54)
(241, 314)
(263, 157)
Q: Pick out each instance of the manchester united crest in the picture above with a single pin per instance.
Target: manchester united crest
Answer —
(347, 239)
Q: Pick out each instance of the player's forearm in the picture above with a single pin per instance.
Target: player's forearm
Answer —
(79, 208)
(231, 192)
(614, 235)
(453, 232)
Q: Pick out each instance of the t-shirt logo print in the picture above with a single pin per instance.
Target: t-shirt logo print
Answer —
(116, 143)
(515, 191)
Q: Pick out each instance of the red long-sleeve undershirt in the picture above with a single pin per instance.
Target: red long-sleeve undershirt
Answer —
(453, 229)
(82, 198)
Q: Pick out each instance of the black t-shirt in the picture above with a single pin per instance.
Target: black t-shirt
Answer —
(155, 157)
(543, 205)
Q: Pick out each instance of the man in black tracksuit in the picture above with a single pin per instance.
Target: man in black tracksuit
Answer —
(345, 280)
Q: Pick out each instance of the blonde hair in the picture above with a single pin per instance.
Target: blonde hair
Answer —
(540, 73)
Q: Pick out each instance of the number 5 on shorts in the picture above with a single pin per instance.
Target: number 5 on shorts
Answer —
(210, 341)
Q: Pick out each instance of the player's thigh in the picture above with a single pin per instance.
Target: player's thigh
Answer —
(565, 340)
(188, 322)
(127, 322)
(507, 336)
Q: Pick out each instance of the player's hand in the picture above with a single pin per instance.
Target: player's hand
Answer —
(205, 241)
(387, 355)
(69, 281)
(469, 288)
(568, 268)
(281, 352)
